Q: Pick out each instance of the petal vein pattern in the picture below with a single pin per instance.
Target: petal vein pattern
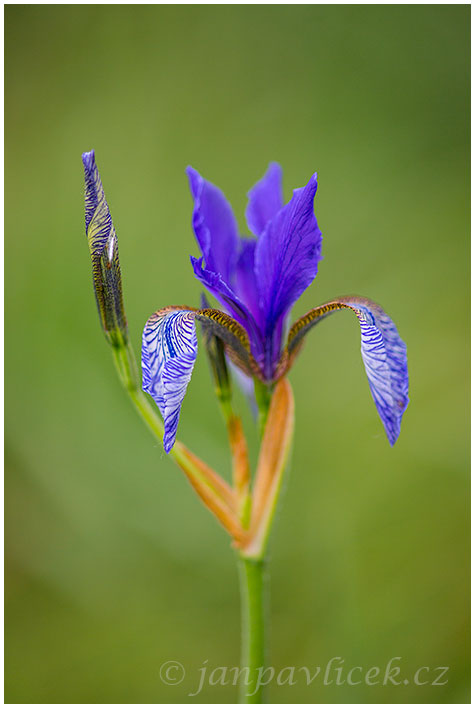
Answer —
(169, 349)
(384, 358)
(382, 349)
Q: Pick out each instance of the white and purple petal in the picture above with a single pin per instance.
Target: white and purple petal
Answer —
(265, 199)
(169, 349)
(383, 352)
(385, 361)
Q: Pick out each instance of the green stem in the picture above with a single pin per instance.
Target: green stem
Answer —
(263, 394)
(254, 632)
(126, 365)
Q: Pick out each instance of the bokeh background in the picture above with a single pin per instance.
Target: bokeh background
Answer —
(113, 567)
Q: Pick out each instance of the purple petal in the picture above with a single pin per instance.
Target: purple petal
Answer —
(214, 225)
(228, 298)
(288, 253)
(169, 349)
(246, 282)
(265, 199)
(286, 262)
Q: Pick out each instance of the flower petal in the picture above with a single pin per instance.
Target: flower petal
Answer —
(265, 199)
(286, 262)
(246, 282)
(228, 298)
(104, 252)
(169, 349)
(214, 225)
(383, 352)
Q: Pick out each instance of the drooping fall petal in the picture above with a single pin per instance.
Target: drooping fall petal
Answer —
(383, 352)
(169, 349)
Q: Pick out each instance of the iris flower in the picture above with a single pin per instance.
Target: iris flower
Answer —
(257, 280)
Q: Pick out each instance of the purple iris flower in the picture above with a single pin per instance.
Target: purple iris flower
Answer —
(257, 281)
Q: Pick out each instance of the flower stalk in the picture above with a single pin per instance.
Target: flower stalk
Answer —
(254, 620)
(272, 461)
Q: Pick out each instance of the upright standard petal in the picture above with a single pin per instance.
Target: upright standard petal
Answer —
(169, 349)
(104, 252)
(286, 262)
(288, 252)
(214, 225)
(265, 199)
(383, 352)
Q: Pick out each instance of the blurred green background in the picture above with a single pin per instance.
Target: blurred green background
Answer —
(113, 566)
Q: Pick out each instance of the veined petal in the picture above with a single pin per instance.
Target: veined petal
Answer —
(382, 349)
(265, 199)
(169, 349)
(286, 262)
(214, 225)
(288, 252)
(104, 252)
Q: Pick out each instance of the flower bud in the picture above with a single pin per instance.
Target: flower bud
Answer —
(104, 252)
